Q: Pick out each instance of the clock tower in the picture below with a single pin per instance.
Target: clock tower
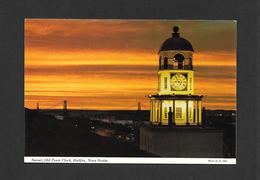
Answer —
(176, 104)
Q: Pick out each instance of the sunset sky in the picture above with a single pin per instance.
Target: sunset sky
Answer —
(112, 64)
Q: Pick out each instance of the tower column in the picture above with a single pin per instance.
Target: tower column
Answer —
(173, 112)
(187, 112)
(151, 112)
(154, 113)
(200, 109)
(155, 110)
(158, 111)
(197, 112)
(194, 112)
(160, 121)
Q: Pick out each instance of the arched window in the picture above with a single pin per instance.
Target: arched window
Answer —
(179, 58)
(165, 63)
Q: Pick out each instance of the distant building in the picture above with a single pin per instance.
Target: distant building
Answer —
(59, 117)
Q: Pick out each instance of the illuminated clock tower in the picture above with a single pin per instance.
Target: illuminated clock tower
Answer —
(176, 104)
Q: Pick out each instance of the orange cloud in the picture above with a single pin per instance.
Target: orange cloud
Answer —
(113, 64)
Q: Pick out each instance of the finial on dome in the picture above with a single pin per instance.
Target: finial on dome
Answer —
(175, 31)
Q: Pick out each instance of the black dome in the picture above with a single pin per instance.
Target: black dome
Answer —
(176, 42)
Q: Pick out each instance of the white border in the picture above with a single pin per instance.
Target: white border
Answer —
(128, 160)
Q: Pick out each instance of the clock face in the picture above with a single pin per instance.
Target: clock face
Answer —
(178, 82)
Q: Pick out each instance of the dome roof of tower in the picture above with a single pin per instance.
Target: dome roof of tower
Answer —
(176, 42)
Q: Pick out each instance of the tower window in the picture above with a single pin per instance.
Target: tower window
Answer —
(165, 83)
(180, 65)
(190, 113)
(194, 113)
(178, 112)
(165, 112)
(165, 63)
(179, 58)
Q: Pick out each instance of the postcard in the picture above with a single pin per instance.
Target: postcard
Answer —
(130, 91)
